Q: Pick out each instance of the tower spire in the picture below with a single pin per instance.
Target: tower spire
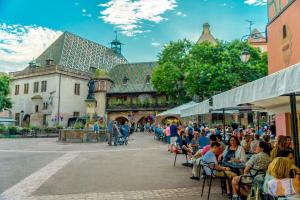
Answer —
(116, 45)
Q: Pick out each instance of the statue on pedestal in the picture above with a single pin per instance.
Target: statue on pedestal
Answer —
(91, 86)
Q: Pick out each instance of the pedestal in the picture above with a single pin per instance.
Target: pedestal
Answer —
(91, 108)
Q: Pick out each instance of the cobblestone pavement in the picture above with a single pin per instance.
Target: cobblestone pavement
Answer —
(51, 170)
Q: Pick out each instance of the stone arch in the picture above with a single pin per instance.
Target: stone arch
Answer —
(121, 119)
(169, 119)
(26, 120)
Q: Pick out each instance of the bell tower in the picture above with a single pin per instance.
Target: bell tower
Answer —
(116, 45)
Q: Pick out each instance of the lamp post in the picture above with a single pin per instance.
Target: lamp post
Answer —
(245, 56)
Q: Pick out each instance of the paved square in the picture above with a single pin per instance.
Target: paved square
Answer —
(44, 169)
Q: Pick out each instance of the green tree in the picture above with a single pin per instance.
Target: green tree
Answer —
(206, 69)
(5, 101)
(167, 78)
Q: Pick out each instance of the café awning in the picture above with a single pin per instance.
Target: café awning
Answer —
(270, 92)
(197, 109)
(276, 93)
(176, 111)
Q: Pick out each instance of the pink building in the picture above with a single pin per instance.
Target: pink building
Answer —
(283, 45)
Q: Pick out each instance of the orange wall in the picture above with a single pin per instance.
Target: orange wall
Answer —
(284, 53)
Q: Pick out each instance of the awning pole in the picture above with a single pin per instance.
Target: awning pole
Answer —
(294, 126)
(258, 115)
(224, 121)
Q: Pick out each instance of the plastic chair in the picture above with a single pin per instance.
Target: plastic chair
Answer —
(250, 178)
(209, 176)
(177, 151)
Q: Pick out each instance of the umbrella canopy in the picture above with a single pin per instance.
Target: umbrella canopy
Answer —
(196, 109)
(177, 110)
(268, 92)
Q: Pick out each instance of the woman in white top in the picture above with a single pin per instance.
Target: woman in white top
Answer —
(234, 152)
(283, 185)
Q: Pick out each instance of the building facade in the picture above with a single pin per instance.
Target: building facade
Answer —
(132, 96)
(283, 44)
(54, 87)
(47, 96)
(258, 40)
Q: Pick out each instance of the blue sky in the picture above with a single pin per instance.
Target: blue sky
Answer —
(28, 27)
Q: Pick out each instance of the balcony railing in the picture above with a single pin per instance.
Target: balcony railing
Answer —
(125, 107)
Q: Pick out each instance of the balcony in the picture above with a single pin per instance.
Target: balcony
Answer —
(139, 107)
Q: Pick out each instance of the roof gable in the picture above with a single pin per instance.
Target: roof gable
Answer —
(75, 52)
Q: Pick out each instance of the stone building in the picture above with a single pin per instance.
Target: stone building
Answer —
(54, 87)
(132, 96)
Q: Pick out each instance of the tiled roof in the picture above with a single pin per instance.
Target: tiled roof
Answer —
(256, 36)
(74, 52)
(136, 75)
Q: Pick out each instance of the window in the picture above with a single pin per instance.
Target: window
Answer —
(26, 88)
(17, 118)
(36, 87)
(77, 89)
(75, 114)
(148, 78)
(125, 80)
(36, 108)
(17, 88)
(44, 86)
(45, 106)
(284, 31)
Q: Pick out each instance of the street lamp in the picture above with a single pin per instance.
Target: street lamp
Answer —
(245, 56)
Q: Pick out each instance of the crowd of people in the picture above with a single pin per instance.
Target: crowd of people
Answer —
(255, 162)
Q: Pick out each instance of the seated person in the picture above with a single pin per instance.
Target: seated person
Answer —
(283, 185)
(267, 138)
(246, 143)
(290, 155)
(219, 171)
(258, 163)
(183, 142)
(203, 140)
(255, 142)
(197, 157)
(233, 152)
(219, 139)
(194, 145)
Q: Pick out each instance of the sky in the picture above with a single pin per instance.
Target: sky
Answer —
(28, 27)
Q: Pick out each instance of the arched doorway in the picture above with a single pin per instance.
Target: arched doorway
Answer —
(170, 120)
(26, 121)
(121, 120)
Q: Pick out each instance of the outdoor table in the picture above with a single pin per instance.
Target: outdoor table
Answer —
(249, 155)
(235, 167)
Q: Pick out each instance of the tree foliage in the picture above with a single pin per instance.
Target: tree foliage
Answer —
(5, 101)
(206, 69)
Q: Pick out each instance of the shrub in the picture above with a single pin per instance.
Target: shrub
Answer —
(12, 130)
(3, 129)
(78, 125)
(59, 126)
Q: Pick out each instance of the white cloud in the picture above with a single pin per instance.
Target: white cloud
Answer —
(19, 44)
(128, 15)
(181, 14)
(256, 2)
(156, 44)
(83, 10)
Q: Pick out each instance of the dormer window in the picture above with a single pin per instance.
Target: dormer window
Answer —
(125, 80)
(148, 79)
